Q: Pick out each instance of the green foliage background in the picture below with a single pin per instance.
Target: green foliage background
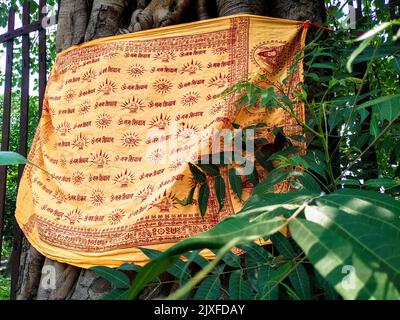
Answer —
(16, 93)
(12, 171)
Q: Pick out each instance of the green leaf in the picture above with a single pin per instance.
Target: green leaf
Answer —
(178, 269)
(149, 272)
(285, 153)
(327, 251)
(328, 65)
(235, 182)
(253, 92)
(204, 194)
(239, 288)
(209, 289)
(221, 159)
(219, 269)
(195, 257)
(275, 277)
(381, 182)
(282, 244)
(189, 199)
(355, 228)
(316, 163)
(230, 259)
(290, 292)
(220, 190)
(253, 177)
(265, 202)
(349, 182)
(397, 35)
(311, 75)
(383, 51)
(396, 64)
(341, 101)
(334, 118)
(374, 126)
(384, 108)
(366, 39)
(129, 267)
(33, 6)
(297, 161)
(380, 200)
(267, 96)
(235, 228)
(380, 100)
(197, 174)
(301, 282)
(266, 290)
(262, 160)
(119, 279)
(10, 158)
(356, 53)
(210, 169)
(388, 109)
(298, 138)
(306, 180)
(116, 294)
(256, 255)
(373, 32)
(244, 227)
(235, 125)
(274, 177)
(329, 291)
(363, 114)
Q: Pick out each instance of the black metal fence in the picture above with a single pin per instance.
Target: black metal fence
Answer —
(8, 39)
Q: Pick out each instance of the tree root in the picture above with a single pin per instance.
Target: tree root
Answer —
(105, 19)
(30, 272)
(72, 22)
(159, 13)
(229, 7)
(65, 283)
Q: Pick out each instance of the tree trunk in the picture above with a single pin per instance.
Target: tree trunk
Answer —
(84, 20)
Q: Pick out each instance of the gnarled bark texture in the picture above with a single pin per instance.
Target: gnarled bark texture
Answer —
(84, 20)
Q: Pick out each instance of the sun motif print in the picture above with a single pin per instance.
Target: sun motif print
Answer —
(136, 70)
(162, 86)
(133, 105)
(100, 159)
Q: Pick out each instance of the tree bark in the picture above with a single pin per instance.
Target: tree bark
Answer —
(301, 10)
(72, 20)
(84, 20)
(227, 7)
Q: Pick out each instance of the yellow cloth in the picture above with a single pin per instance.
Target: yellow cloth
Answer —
(110, 103)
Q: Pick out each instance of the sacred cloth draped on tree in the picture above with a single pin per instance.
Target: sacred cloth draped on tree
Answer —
(123, 116)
